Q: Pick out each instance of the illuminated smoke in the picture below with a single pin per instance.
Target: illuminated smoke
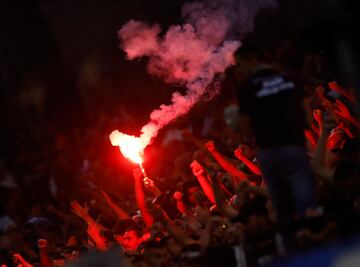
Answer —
(191, 55)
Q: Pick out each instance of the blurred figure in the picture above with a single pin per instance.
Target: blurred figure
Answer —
(271, 110)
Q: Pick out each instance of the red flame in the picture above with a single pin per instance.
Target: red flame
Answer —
(131, 147)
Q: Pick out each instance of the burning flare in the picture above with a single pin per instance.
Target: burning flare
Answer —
(194, 55)
(131, 147)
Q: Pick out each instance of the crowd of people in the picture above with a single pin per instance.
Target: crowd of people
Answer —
(269, 175)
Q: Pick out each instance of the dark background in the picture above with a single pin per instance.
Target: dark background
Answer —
(50, 44)
(49, 47)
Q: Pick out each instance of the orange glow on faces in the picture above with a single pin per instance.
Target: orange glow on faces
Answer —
(131, 147)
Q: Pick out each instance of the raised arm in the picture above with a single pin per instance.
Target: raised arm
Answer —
(94, 233)
(151, 187)
(140, 197)
(20, 261)
(44, 257)
(180, 205)
(203, 179)
(224, 162)
(68, 218)
(83, 213)
(122, 214)
(240, 155)
(343, 111)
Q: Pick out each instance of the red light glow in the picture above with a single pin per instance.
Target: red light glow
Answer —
(131, 147)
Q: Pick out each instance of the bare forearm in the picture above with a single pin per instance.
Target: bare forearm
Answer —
(71, 219)
(207, 188)
(255, 169)
(100, 244)
(44, 258)
(140, 200)
(228, 166)
(122, 214)
(24, 263)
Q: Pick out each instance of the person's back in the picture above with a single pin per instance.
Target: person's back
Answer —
(273, 101)
(271, 109)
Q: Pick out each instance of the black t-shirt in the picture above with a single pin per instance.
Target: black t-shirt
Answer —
(273, 101)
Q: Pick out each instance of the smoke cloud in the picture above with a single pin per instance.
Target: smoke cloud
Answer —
(191, 55)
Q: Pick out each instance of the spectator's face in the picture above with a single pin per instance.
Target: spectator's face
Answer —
(131, 241)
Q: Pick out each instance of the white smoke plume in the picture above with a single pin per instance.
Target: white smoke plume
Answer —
(193, 54)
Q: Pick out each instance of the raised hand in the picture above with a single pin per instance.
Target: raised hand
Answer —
(19, 260)
(178, 195)
(318, 116)
(42, 243)
(210, 146)
(148, 183)
(150, 186)
(239, 152)
(334, 86)
(82, 212)
(196, 168)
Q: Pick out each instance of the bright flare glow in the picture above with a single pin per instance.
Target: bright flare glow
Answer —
(131, 147)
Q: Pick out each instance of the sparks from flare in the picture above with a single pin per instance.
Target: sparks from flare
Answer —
(130, 146)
